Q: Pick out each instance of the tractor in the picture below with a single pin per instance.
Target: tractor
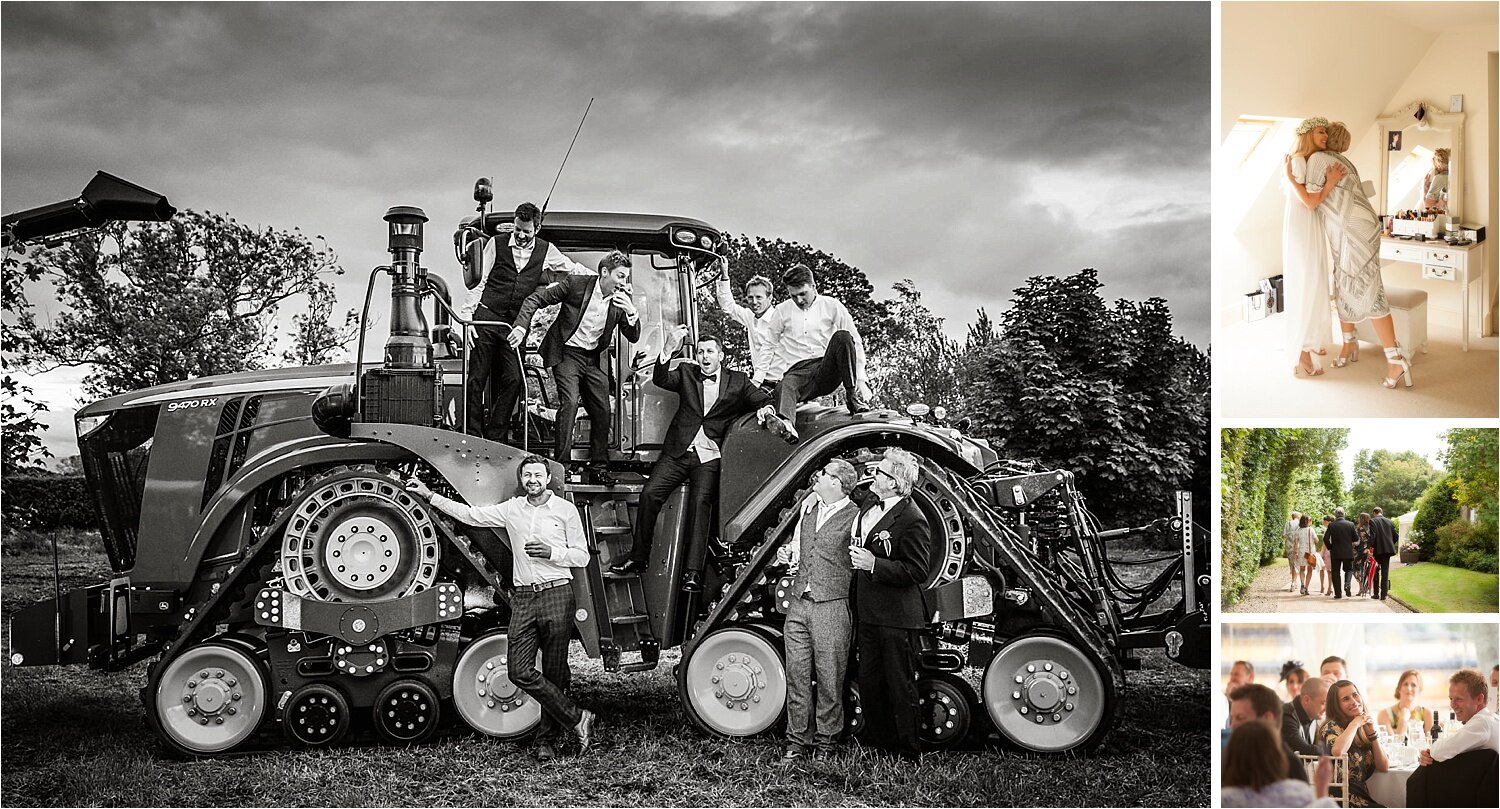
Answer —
(271, 566)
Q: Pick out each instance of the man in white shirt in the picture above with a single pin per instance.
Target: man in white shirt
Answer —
(818, 345)
(1467, 696)
(524, 265)
(819, 624)
(755, 317)
(549, 531)
(576, 348)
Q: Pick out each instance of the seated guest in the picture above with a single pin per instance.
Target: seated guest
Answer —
(1406, 712)
(1241, 672)
(1255, 702)
(1254, 776)
(1333, 669)
(1350, 730)
(1460, 767)
(1299, 723)
(1294, 676)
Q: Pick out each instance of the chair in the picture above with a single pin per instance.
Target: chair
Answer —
(1408, 315)
(1340, 780)
(1467, 779)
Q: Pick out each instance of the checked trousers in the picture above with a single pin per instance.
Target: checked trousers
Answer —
(543, 621)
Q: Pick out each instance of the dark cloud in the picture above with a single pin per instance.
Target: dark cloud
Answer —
(939, 142)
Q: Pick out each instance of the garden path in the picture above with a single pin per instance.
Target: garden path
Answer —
(1269, 593)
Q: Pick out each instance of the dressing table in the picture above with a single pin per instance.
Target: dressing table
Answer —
(1442, 262)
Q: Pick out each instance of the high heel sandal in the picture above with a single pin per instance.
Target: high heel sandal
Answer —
(1349, 338)
(1397, 356)
(1317, 367)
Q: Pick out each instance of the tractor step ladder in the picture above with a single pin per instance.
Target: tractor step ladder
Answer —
(608, 514)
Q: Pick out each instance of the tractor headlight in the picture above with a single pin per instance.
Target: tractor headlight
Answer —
(685, 236)
(90, 424)
(917, 410)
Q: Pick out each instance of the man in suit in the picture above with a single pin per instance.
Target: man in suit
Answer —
(890, 559)
(818, 621)
(1254, 701)
(523, 266)
(709, 398)
(576, 348)
(1300, 717)
(1340, 538)
(1383, 538)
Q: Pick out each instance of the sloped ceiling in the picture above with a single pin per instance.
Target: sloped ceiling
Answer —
(1340, 60)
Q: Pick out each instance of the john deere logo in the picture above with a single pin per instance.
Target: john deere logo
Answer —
(192, 403)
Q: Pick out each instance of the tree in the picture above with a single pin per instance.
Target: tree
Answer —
(1391, 480)
(20, 430)
(1107, 392)
(916, 362)
(147, 304)
(315, 339)
(1435, 509)
(1472, 457)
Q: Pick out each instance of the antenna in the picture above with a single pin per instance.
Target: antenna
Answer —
(565, 157)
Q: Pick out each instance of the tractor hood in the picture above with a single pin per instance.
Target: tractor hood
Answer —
(313, 379)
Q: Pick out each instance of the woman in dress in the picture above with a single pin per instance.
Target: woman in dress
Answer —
(1294, 676)
(1361, 564)
(1350, 730)
(1304, 256)
(1325, 586)
(1255, 771)
(1305, 547)
(1329, 189)
(1406, 713)
(1435, 184)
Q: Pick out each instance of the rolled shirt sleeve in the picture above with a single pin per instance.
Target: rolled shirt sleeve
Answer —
(490, 516)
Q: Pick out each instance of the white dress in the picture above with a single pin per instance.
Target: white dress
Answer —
(1305, 265)
(1353, 232)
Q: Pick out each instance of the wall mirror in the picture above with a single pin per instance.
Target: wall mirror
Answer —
(1413, 141)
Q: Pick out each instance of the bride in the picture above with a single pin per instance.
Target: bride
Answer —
(1304, 252)
(1330, 189)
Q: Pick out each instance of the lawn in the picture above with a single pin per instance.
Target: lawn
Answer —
(76, 737)
(1431, 587)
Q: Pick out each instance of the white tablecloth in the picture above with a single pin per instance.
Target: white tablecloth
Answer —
(1389, 788)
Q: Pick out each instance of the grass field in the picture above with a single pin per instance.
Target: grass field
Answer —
(1431, 587)
(76, 737)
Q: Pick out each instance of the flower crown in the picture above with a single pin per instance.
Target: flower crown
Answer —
(1310, 124)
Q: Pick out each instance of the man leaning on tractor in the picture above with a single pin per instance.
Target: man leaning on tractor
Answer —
(550, 532)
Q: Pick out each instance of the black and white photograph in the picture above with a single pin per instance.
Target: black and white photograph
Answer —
(608, 404)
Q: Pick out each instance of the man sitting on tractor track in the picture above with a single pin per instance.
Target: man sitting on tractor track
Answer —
(818, 621)
(576, 348)
(524, 266)
(755, 317)
(550, 532)
(820, 348)
(710, 397)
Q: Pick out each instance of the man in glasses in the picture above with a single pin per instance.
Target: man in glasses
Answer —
(526, 264)
(818, 620)
(890, 558)
(709, 398)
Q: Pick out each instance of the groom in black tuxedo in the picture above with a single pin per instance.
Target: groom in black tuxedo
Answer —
(710, 397)
(1340, 539)
(890, 558)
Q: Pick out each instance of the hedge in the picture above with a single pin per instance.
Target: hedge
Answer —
(43, 501)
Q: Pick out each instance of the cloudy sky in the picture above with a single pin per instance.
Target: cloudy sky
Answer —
(965, 146)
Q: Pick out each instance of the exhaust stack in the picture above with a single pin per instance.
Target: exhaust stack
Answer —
(409, 346)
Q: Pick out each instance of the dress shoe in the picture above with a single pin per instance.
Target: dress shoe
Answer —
(793, 753)
(783, 429)
(601, 476)
(629, 567)
(545, 751)
(822, 754)
(692, 581)
(585, 731)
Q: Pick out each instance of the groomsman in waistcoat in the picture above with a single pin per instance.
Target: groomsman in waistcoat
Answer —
(576, 348)
(890, 558)
(818, 620)
(525, 264)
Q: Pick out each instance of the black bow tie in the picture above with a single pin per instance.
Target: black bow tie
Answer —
(710, 377)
